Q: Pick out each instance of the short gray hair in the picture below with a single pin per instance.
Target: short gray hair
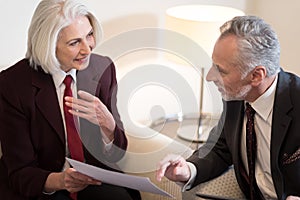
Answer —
(49, 18)
(257, 44)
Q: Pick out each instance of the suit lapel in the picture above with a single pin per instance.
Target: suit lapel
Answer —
(236, 128)
(280, 125)
(47, 102)
(239, 118)
(281, 120)
(89, 78)
(88, 83)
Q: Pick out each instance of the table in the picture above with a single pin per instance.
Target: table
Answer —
(185, 129)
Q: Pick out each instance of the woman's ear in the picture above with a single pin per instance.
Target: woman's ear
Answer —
(258, 75)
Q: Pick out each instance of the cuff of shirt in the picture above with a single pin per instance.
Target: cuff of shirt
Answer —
(48, 193)
(107, 146)
(189, 183)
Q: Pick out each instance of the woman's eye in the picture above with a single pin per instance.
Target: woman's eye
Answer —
(91, 34)
(74, 43)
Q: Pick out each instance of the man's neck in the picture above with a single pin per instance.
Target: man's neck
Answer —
(261, 89)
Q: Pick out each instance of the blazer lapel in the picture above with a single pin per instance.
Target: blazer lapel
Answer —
(47, 102)
(236, 130)
(88, 80)
(280, 125)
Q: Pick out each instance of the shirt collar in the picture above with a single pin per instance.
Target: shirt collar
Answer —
(59, 76)
(264, 104)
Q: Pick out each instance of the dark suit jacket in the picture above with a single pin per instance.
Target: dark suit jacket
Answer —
(285, 141)
(32, 131)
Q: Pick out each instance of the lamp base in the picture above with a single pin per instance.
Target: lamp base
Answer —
(190, 131)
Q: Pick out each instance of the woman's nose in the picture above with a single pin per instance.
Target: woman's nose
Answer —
(86, 48)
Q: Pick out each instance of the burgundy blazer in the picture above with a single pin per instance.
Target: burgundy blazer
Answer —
(32, 131)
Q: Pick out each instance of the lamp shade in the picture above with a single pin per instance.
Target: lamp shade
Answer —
(200, 23)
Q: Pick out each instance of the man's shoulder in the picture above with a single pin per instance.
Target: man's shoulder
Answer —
(288, 79)
(288, 90)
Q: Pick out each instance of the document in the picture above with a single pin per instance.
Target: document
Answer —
(115, 178)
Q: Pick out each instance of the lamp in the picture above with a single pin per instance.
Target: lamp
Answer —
(200, 23)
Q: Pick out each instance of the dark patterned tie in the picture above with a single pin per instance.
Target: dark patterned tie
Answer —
(74, 141)
(251, 148)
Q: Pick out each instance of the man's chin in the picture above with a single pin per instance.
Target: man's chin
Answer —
(229, 98)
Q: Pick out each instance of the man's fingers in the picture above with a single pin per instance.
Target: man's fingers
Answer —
(171, 159)
(161, 170)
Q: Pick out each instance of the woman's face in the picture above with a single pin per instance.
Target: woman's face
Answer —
(74, 45)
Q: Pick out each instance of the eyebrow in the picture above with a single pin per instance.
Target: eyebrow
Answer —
(92, 30)
(216, 65)
(78, 39)
(219, 68)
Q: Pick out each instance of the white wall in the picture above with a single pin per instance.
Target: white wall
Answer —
(15, 16)
(116, 17)
(283, 17)
(119, 16)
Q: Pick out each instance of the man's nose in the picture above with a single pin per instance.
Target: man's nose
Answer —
(211, 75)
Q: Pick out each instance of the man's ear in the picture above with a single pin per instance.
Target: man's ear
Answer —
(258, 75)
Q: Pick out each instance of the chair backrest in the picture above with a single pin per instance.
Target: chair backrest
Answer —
(222, 187)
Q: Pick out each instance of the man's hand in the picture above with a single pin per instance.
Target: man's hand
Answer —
(292, 198)
(174, 167)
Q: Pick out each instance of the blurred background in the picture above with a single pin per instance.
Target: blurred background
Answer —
(148, 102)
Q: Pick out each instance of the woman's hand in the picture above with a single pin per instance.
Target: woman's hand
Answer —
(92, 109)
(74, 181)
(70, 180)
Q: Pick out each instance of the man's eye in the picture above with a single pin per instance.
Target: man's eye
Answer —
(217, 67)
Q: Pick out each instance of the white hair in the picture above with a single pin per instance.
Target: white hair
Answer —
(48, 20)
(257, 43)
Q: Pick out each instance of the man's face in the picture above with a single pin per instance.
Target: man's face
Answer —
(75, 44)
(228, 78)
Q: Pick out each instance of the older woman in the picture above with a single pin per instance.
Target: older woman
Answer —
(42, 121)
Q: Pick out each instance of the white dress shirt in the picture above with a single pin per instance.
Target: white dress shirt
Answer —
(58, 79)
(263, 126)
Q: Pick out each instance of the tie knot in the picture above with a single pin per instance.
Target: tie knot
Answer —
(68, 81)
(249, 111)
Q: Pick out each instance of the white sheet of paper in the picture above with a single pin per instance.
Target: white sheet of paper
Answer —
(116, 178)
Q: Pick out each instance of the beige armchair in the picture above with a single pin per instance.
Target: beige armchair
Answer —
(224, 186)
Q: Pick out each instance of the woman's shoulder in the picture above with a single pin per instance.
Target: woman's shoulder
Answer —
(100, 60)
(16, 77)
(16, 71)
